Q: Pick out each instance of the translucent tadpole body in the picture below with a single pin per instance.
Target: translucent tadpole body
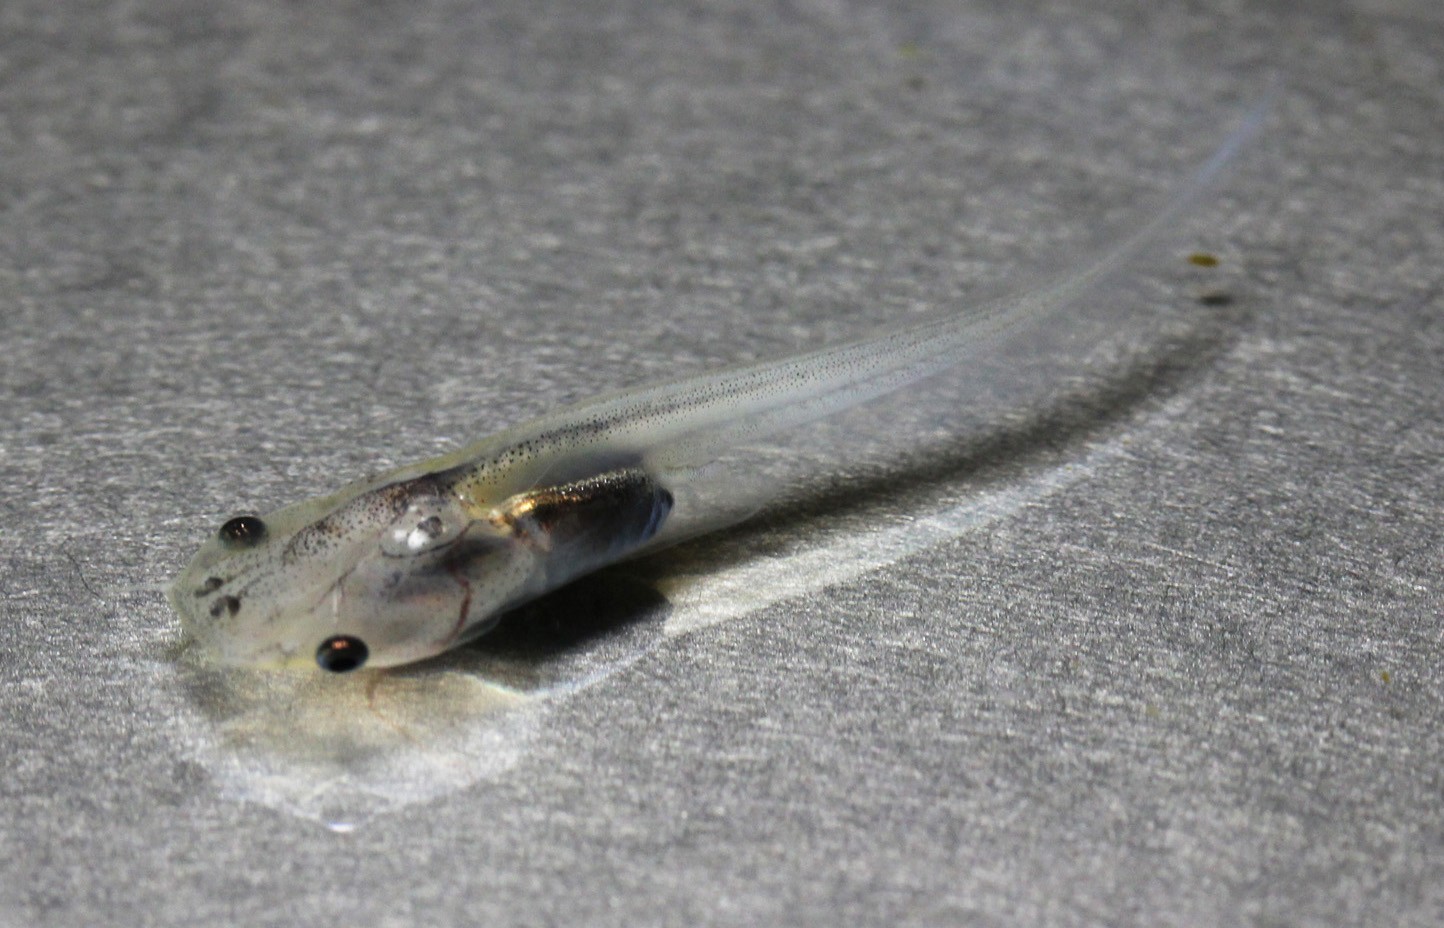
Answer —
(407, 565)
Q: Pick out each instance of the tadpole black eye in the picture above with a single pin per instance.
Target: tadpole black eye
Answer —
(341, 653)
(243, 531)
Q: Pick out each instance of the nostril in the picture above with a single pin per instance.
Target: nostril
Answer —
(229, 605)
(210, 586)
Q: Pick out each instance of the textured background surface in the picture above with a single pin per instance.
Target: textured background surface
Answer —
(1162, 645)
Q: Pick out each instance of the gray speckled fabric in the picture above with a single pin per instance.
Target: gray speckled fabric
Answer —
(1141, 628)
